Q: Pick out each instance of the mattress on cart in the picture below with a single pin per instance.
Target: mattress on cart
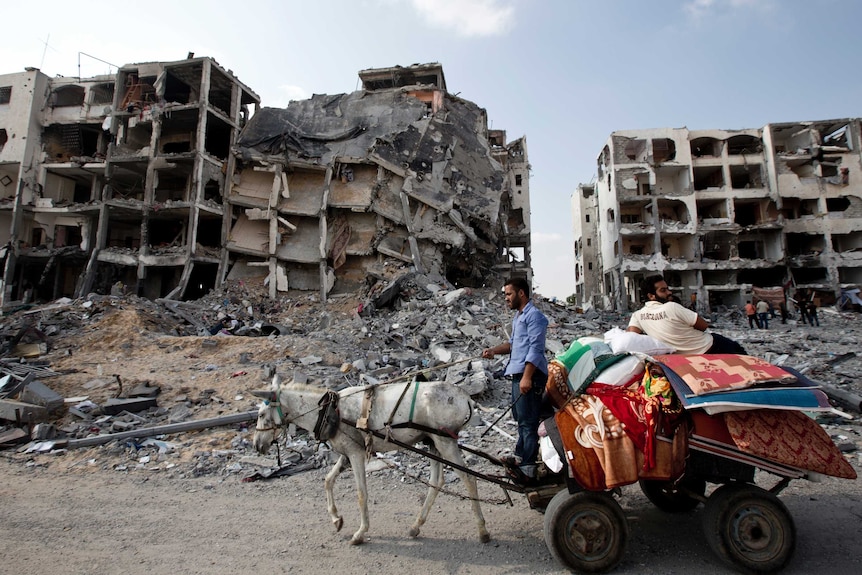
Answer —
(785, 442)
(719, 383)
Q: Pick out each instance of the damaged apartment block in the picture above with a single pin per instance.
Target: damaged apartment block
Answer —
(118, 180)
(721, 212)
(330, 189)
(167, 177)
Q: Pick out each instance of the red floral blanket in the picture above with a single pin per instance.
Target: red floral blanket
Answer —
(788, 437)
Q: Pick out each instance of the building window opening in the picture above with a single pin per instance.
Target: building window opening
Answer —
(589, 242)
(518, 179)
(745, 177)
(663, 150)
(66, 96)
(744, 144)
(102, 94)
(587, 218)
(708, 177)
(5, 94)
(635, 149)
(750, 250)
(705, 147)
(4, 137)
(837, 139)
(746, 214)
(837, 204)
(590, 265)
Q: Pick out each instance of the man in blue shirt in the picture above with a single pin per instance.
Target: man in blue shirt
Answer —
(528, 370)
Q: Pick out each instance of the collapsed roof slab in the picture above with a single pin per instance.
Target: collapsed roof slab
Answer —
(253, 184)
(249, 236)
(448, 161)
(305, 193)
(353, 186)
(363, 231)
(303, 244)
(387, 202)
(446, 155)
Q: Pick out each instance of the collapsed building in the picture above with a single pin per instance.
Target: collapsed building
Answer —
(167, 177)
(329, 188)
(721, 213)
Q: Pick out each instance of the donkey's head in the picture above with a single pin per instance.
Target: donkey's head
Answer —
(269, 416)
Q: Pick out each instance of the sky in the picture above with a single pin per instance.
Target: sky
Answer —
(563, 73)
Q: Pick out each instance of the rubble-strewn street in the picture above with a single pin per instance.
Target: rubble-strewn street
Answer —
(122, 364)
(105, 349)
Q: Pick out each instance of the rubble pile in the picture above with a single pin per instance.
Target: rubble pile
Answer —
(128, 384)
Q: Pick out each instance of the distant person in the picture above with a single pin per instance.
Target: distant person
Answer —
(763, 314)
(674, 324)
(811, 308)
(782, 308)
(803, 312)
(751, 314)
(528, 370)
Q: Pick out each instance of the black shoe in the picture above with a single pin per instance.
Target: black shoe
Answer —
(519, 477)
(510, 461)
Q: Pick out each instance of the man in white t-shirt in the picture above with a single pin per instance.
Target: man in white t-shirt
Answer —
(675, 325)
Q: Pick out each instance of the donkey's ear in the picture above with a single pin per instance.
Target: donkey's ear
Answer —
(264, 394)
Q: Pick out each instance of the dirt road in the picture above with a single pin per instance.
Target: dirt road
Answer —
(135, 523)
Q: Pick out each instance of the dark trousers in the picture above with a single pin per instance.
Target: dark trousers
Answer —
(721, 344)
(753, 321)
(527, 412)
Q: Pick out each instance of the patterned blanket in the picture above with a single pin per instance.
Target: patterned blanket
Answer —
(599, 446)
(801, 395)
(788, 437)
(712, 373)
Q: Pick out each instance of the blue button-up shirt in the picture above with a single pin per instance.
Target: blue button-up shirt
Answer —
(528, 340)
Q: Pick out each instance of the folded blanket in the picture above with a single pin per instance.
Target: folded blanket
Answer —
(712, 373)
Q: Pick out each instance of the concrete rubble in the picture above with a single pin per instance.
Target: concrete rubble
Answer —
(156, 369)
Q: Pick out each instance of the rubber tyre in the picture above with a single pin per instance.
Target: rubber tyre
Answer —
(665, 495)
(586, 532)
(749, 528)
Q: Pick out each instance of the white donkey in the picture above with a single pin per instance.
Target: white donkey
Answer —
(432, 405)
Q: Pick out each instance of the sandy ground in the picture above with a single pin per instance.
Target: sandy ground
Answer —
(96, 510)
(145, 524)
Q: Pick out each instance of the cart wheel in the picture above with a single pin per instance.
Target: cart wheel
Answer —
(667, 495)
(586, 531)
(749, 528)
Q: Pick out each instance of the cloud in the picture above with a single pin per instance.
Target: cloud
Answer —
(540, 238)
(468, 18)
(699, 9)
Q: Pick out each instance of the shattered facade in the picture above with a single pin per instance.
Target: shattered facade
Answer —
(327, 191)
(588, 275)
(721, 212)
(143, 179)
(117, 179)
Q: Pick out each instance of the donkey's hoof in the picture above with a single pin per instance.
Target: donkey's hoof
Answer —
(484, 537)
(339, 523)
(413, 532)
(357, 540)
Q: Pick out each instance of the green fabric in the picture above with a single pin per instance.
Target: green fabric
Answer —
(604, 362)
(572, 355)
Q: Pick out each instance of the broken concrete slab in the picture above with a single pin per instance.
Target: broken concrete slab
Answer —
(19, 411)
(13, 436)
(114, 406)
(38, 393)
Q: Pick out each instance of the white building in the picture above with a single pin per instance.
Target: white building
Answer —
(722, 212)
